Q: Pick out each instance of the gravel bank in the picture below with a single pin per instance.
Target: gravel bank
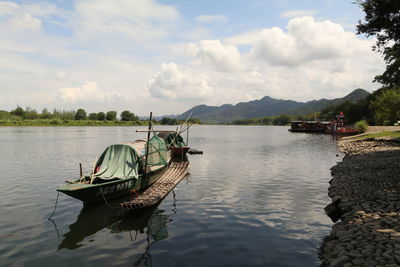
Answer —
(366, 190)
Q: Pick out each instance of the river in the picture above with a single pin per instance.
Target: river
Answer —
(254, 198)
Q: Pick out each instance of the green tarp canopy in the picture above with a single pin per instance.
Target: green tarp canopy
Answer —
(124, 161)
(118, 161)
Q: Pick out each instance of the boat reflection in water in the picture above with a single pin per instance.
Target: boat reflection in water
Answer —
(151, 221)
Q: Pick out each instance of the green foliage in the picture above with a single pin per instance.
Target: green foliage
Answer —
(30, 114)
(101, 116)
(111, 115)
(194, 121)
(386, 106)
(361, 126)
(281, 119)
(173, 121)
(20, 112)
(382, 21)
(392, 134)
(169, 121)
(126, 115)
(80, 114)
(4, 114)
(353, 112)
(63, 115)
(46, 114)
(92, 116)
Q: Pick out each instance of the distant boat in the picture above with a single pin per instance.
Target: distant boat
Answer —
(121, 169)
(337, 126)
(309, 126)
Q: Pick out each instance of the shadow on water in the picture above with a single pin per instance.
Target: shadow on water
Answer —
(93, 218)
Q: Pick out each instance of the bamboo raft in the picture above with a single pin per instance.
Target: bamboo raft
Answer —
(157, 191)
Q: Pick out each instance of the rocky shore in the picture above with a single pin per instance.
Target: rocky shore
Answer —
(365, 190)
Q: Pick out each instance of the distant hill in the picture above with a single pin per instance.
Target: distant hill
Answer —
(266, 106)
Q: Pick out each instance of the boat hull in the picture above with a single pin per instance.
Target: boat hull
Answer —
(92, 193)
(179, 151)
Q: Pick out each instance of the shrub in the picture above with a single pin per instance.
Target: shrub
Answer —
(55, 122)
(361, 126)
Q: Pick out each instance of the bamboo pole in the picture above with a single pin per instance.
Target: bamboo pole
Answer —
(180, 129)
(147, 147)
(159, 131)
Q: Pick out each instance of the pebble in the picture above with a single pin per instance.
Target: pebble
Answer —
(366, 189)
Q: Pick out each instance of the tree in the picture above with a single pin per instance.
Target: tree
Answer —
(386, 106)
(92, 116)
(169, 121)
(100, 116)
(45, 114)
(80, 114)
(30, 113)
(126, 115)
(281, 119)
(68, 115)
(20, 112)
(382, 20)
(111, 115)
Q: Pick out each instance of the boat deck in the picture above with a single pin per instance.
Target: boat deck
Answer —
(157, 191)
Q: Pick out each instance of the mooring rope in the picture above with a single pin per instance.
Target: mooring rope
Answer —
(48, 219)
(54, 210)
(55, 206)
(105, 200)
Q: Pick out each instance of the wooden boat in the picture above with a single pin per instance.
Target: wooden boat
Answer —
(120, 170)
(340, 126)
(308, 126)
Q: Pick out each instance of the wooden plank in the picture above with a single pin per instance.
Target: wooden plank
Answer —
(157, 191)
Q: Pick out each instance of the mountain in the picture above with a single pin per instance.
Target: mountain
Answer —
(318, 105)
(266, 106)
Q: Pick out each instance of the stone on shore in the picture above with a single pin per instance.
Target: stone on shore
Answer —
(366, 191)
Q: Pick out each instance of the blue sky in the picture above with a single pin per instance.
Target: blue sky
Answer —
(167, 56)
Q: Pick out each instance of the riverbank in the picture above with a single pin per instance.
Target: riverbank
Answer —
(366, 191)
(58, 122)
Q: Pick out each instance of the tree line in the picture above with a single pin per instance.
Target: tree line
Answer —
(80, 114)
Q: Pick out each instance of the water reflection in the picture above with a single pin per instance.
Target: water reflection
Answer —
(151, 221)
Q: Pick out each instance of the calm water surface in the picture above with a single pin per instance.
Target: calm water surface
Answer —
(255, 197)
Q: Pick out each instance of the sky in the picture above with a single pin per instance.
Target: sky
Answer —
(167, 56)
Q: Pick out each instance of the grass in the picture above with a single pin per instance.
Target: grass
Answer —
(392, 134)
(58, 122)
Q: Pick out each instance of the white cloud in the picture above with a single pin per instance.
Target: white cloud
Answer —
(141, 20)
(26, 21)
(86, 93)
(307, 40)
(61, 75)
(297, 13)
(245, 38)
(221, 57)
(310, 60)
(175, 82)
(23, 16)
(208, 19)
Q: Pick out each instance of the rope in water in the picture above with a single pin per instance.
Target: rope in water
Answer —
(55, 206)
(48, 219)
(105, 200)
